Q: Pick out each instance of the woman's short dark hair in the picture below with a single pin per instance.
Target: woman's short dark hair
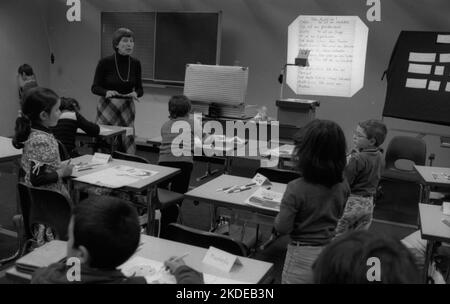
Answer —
(346, 261)
(179, 106)
(25, 69)
(119, 34)
(69, 104)
(320, 152)
(109, 229)
(35, 101)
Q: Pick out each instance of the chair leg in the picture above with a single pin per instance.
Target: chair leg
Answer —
(18, 223)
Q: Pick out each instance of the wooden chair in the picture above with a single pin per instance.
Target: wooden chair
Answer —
(205, 239)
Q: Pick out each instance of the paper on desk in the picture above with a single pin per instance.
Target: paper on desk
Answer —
(104, 129)
(281, 150)
(265, 199)
(212, 279)
(153, 271)
(116, 177)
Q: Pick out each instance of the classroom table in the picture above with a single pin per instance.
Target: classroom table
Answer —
(432, 177)
(107, 132)
(251, 271)
(433, 230)
(148, 183)
(208, 193)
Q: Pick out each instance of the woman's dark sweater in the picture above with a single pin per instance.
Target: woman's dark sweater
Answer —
(107, 79)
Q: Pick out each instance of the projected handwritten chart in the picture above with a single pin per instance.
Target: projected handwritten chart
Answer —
(337, 57)
(419, 78)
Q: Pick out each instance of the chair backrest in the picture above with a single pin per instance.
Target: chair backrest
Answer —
(130, 157)
(406, 148)
(25, 205)
(279, 175)
(204, 239)
(44, 206)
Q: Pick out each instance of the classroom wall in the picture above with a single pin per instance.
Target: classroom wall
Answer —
(22, 40)
(254, 35)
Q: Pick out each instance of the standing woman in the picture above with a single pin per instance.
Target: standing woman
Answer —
(118, 82)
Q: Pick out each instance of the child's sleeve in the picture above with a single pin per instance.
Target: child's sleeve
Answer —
(290, 205)
(91, 129)
(352, 169)
(186, 275)
(41, 155)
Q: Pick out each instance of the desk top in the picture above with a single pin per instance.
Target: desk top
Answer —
(431, 225)
(106, 131)
(7, 151)
(163, 174)
(251, 271)
(208, 193)
(434, 176)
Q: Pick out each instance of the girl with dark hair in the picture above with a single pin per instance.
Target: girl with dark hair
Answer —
(68, 123)
(313, 203)
(41, 160)
(118, 82)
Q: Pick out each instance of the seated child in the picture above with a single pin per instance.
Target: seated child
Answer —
(68, 123)
(41, 160)
(363, 172)
(313, 203)
(26, 79)
(346, 261)
(179, 108)
(104, 233)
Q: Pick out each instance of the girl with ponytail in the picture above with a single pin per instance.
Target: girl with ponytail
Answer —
(40, 158)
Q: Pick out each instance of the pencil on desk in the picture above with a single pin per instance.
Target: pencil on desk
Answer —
(183, 256)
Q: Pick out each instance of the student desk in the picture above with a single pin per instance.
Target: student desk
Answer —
(251, 271)
(10, 154)
(207, 193)
(106, 133)
(432, 176)
(148, 183)
(432, 229)
(251, 152)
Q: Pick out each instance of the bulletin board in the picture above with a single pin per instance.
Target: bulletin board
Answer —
(418, 78)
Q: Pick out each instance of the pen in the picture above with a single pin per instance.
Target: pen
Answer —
(85, 168)
(240, 189)
(183, 256)
(225, 188)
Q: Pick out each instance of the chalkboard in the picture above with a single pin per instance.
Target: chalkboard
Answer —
(166, 41)
(419, 78)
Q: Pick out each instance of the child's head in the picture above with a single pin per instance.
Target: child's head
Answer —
(103, 232)
(179, 106)
(353, 258)
(370, 133)
(40, 106)
(25, 71)
(320, 152)
(69, 104)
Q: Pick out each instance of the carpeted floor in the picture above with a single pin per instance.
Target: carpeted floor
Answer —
(197, 216)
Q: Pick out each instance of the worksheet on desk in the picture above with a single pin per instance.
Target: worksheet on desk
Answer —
(116, 176)
(265, 199)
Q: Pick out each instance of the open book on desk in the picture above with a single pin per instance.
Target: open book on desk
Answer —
(116, 176)
(265, 199)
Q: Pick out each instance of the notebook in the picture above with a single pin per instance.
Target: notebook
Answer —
(52, 252)
(265, 199)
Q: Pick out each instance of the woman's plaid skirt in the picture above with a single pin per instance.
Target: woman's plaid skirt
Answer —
(118, 112)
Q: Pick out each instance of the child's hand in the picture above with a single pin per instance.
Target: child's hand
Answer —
(133, 95)
(65, 170)
(173, 263)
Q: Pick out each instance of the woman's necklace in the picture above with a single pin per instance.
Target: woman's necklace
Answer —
(117, 68)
